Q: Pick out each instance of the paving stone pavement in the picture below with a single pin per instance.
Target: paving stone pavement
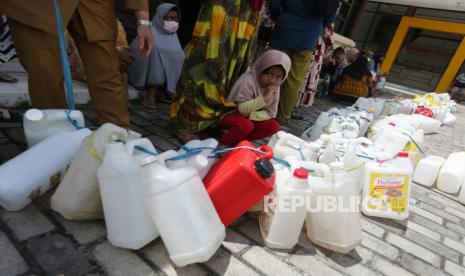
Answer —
(38, 241)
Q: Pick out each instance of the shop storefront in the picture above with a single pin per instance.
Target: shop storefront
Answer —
(423, 40)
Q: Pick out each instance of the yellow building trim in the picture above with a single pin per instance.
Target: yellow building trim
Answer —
(408, 22)
(453, 68)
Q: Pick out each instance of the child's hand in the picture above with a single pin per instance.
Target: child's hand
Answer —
(269, 93)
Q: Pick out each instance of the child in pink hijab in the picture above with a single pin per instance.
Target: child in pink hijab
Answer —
(256, 95)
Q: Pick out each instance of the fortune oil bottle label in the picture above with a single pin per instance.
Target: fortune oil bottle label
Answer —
(388, 192)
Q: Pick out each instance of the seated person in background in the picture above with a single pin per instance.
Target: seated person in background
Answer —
(333, 66)
(256, 94)
(458, 89)
(164, 64)
(355, 81)
(352, 55)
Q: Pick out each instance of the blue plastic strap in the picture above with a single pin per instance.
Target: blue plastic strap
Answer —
(302, 156)
(64, 57)
(139, 148)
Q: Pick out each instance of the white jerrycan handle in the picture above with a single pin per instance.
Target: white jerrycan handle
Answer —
(62, 116)
(108, 129)
(142, 142)
(311, 166)
(162, 157)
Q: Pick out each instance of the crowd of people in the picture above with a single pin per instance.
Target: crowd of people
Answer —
(242, 65)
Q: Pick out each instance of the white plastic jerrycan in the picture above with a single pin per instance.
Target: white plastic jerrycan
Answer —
(40, 124)
(275, 138)
(127, 221)
(290, 145)
(427, 170)
(39, 168)
(181, 210)
(390, 140)
(201, 161)
(78, 196)
(387, 187)
(284, 214)
(452, 174)
(333, 219)
(314, 132)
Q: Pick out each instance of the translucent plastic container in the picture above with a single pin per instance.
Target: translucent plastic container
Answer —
(387, 188)
(333, 219)
(427, 170)
(314, 132)
(390, 140)
(452, 174)
(181, 211)
(201, 161)
(290, 145)
(39, 168)
(282, 223)
(40, 124)
(127, 221)
(78, 196)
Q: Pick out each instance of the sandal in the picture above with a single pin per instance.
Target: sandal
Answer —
(297, 116)
(7, 78)
(10, 116)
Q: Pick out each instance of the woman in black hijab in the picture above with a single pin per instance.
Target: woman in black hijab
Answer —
(355, 81)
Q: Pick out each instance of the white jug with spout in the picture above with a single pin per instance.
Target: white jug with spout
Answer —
(333, 219)
(427, 170)
(284, 214)
(40, 124)
(387, 187)
(452, 174)
(39, 168)
(314, 132)
(181, 210)
(201, 161)
(290, 145)
(127, 221)
(78, 196)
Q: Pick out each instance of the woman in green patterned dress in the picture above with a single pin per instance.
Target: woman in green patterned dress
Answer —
(218, 53)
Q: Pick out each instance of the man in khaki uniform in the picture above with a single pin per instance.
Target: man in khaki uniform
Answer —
(92, 24)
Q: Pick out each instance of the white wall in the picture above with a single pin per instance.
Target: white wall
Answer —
(454, 5)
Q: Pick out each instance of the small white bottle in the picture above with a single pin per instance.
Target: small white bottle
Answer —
(282, 223)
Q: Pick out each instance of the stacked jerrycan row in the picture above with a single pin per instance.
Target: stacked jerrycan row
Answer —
(350, 122)
(139, 196)
(438, 106)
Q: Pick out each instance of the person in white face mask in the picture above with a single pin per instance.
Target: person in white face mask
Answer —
(163, 66)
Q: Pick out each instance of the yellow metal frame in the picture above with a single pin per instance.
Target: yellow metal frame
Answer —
(408, 22)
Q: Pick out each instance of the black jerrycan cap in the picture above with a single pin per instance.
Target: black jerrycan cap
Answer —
(264, 168)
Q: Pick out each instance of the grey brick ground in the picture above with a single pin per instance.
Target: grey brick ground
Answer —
(432, 242)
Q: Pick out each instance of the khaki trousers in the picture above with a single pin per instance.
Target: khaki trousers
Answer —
(39, 54)
(290, 88)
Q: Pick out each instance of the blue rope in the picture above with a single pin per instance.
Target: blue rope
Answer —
(139, 148)
(302, 156)
(64, 57)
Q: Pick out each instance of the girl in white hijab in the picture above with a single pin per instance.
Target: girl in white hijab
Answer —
(256, 95)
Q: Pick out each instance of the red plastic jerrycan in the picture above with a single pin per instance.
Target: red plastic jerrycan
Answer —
(239, 180)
